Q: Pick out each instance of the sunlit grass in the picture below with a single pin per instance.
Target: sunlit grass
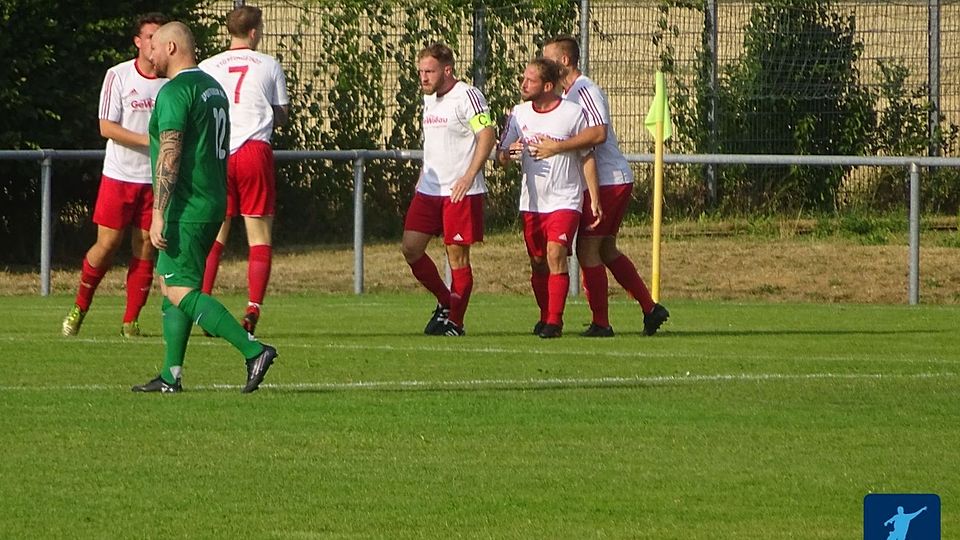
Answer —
(739, 420)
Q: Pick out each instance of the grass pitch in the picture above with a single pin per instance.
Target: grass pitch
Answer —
(737, 421)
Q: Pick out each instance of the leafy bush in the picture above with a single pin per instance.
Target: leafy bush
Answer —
(796, 89)
(342, 104)
(77, 42)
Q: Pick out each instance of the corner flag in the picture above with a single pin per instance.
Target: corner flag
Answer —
(659, 110)
(659, 124)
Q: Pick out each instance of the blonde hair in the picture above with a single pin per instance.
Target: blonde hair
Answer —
(440, 52)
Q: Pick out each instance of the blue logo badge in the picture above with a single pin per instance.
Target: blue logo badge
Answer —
(901, 517)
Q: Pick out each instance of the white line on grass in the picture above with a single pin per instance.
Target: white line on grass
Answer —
(533, 351)
(493, 384)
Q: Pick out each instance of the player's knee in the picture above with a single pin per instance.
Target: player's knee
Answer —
(459, 256)
(107, 247)
(557, 265)
(411, 253)
(585, 252)
(608, 255)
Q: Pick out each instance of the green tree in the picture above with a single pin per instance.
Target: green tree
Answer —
(795, 89)
(56, 54)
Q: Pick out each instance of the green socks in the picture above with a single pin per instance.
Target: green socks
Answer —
(209, 314)
(176, 332)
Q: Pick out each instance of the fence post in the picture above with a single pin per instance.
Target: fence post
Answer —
(914, 256)
(46, 173)
(480, 49)
(710, 30)
(358, 164)
(573, 266)
(585, 37)
(933, 74)
(479, 46)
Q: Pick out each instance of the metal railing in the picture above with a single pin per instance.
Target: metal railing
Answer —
(911, 164)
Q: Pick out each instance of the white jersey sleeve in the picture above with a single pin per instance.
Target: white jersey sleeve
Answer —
(592, 99)
(254, 83)
(511, 132)
(111, 105)
(450, 139)
(612, 166)
(127, 98)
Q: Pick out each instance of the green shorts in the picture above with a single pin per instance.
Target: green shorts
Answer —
(182, 263)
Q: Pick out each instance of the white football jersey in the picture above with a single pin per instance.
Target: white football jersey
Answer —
(612, 167)
(127, 98)
(555, 183)
(448, 140)
(254, 83)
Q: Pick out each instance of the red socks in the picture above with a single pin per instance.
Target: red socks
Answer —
(539, 283)
(628, 278)
(212, 267)
(258, 271)
(557, 287)
(89, 280)
(259, 263)
(139, 281)
(462, 286)
(426, 273)
(595, 285)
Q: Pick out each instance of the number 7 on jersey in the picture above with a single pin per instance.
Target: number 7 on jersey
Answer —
(242, 70)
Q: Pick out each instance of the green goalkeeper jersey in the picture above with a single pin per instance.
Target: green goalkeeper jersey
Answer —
(194, 104)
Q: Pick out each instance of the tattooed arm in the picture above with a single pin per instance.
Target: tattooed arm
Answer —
(165, 179)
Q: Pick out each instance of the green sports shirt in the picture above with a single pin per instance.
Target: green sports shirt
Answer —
(194, 104)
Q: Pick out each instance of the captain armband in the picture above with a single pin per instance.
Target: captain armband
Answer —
(481, 121)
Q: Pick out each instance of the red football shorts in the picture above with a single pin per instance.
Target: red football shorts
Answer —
(251, 181)
(613, 203)
(122, 204)
(558, 226)
(460, 223)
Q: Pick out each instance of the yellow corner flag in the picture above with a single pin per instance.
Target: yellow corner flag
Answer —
(660, 126)
(659, 110)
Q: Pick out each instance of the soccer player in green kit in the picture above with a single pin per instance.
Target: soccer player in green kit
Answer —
(189, 138)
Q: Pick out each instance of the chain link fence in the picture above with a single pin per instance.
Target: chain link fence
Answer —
(735, 71)
(628, 39)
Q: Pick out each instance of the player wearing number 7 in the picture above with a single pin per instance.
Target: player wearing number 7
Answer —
(257, 90)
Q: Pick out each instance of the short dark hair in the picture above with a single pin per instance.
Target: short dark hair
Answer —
(244, 19)
(569, 46)
(440, 52)
(153, 17)
(549, 70)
